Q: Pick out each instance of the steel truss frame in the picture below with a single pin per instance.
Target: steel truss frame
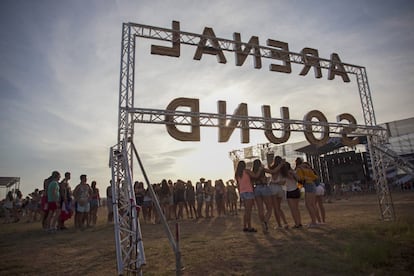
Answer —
(129, 115)
(129, 246)
(184, 118)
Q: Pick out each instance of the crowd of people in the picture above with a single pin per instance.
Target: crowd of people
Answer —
(260, 187)
(183, 200)
(13, 206)
(55, 203)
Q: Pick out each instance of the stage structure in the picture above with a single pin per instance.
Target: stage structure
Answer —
(130, 250)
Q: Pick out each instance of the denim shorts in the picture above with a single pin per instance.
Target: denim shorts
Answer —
(247, 195)
(309, 187)
(262, 190)
(277, 190)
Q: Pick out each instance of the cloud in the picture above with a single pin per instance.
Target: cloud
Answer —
(59, 77)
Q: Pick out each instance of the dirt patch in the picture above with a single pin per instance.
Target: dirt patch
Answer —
(351, 241)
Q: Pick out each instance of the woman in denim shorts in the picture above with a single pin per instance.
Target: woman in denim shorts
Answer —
(277, 191)
(307, 177)
(244, 184)
(262, 194)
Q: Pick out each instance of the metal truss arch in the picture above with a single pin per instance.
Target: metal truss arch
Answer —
(128, 115)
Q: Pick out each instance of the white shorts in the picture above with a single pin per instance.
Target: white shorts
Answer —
(83, 209)
(320, 191)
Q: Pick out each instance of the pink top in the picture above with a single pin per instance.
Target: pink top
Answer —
(245, 183)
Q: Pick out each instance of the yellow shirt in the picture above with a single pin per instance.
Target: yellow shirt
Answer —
(306, 175)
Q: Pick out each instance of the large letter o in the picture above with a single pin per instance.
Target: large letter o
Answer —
(309, 131)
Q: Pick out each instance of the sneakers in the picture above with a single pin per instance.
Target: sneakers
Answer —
(297, 226)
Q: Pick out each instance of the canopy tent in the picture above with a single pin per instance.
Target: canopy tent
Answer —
(333, 143)
(10, 183)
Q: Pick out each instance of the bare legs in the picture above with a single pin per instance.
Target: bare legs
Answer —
(247, 217)
(191, 205)
(93, 215)
(51, 214)
(320, 209)
(81, 218)
(209, 209)
(279, 214)
(264, 217)
(294, 209)
(180, 213)
(199, 208)
(310, 202)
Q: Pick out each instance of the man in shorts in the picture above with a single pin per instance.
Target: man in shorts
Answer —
(82, 195)
(53, 202)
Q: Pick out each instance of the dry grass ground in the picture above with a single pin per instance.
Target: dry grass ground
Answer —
(354, 241)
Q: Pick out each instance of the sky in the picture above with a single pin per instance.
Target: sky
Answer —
(60, 70)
